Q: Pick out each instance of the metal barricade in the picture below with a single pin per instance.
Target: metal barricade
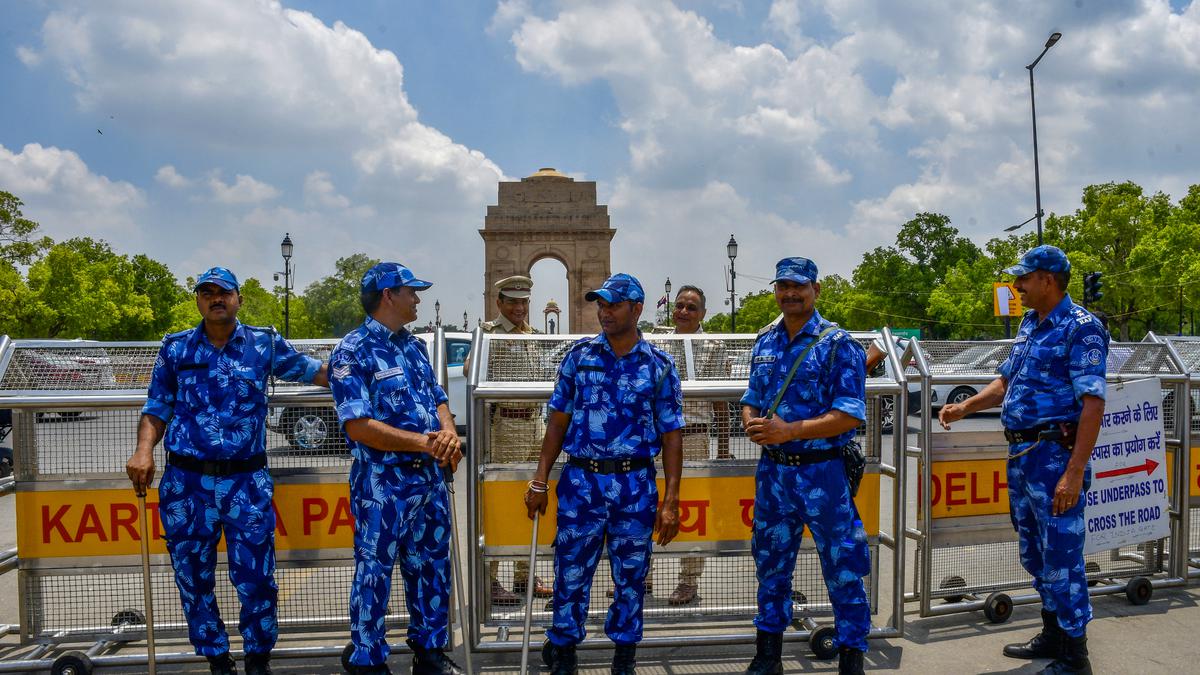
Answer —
(75, 413)
(1186, 349)
(967, 553)
(508, 389)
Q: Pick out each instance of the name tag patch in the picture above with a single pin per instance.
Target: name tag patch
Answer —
(765, 358)
(390, 372)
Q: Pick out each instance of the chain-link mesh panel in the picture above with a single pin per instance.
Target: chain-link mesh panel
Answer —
(512, 359)
(984, 568)
(1189, 352)
(964, 357)
(76, 367)
(92, 604)
(95, 442)
(727, 588)
(1138, 358)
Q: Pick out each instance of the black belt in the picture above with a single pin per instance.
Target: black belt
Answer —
(217, 467)
(1055, 431)
(611, 465)
(802, 458)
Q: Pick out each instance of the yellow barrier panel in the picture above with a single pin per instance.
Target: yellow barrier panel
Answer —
(968, 488)
(85, 523)
(1193, 479)
(712, 509)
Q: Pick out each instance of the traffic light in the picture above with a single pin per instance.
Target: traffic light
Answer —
(1092, 285)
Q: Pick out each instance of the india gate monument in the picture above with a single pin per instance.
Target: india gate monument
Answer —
(548, 215)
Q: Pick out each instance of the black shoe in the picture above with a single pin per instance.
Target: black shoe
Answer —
(222, 664)
(768, 657)
(1045, 645)
(850, 661)
(258, 664)
(624, 661)
(432, 661)
(561, 660)
(1073, 660)
(381, 669)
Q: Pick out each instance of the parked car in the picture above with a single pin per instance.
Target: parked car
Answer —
(317, 427)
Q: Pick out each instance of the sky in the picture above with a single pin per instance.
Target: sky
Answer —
(199, 132)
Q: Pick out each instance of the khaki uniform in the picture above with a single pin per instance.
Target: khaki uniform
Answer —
(516, 429)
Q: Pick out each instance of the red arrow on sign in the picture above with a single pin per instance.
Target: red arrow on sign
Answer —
(1148, 467)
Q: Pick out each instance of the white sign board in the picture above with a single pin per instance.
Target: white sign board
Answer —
(1127, 501)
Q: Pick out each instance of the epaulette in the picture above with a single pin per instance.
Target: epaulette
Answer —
(488, 326)
(262, 329)
(170, 337)
(1082, 316)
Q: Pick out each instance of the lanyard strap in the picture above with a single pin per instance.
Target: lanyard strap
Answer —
(795, 365)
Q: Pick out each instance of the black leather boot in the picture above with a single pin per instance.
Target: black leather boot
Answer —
(562, 660)
(768, 655)
(1045, 645)
(850, 661)
(258, 664)
(432, 661)
(624, 661)
(1073, 660)
(222, 664)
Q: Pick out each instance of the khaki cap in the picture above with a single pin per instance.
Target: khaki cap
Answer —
(515, 287)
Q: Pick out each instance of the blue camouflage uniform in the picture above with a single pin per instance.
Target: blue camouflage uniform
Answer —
(399, 500)
(831, 377)
(620, 407)
(1052, 366)
(214, 402)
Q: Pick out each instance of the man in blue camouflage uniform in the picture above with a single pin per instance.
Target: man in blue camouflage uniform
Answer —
(399, 430)
(801, 479)
(208, 394)
(1052, 388)
(617, 402)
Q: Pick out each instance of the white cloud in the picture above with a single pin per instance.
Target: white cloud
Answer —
(319, 191)
(29, 57)
(167, 175)
(244, 190)
(244, 80)
(65, 197)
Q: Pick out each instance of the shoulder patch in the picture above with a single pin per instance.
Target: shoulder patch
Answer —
(340, 372)
(1094, 356)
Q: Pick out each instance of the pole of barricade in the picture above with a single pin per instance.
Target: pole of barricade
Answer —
(529, 596)
(899, 480)
(151, 660)
(925, 548)
(455, 561)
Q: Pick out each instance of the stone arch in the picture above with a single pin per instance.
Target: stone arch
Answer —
(548, 215)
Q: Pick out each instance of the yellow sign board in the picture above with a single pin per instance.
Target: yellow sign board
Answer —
(1005, 301)
(712, 509)
(85, 523)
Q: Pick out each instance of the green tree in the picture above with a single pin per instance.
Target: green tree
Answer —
(332, 303)
(17, 242)
(89, 292)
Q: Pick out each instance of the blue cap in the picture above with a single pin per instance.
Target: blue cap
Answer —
(799, 270)
(390, 275)
(219, 276)
(1044, 257)
(617, 288)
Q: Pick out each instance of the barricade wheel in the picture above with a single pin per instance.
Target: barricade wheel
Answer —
(953, 581)
(128, 617)
(346, 654)
(72, 663)
(1139, 590)
(1092, 568)
(998, 607)
(823, 642)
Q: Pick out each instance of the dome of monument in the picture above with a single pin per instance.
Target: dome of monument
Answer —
(548, 173)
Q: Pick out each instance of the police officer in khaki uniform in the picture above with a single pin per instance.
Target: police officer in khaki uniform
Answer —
(516, 428)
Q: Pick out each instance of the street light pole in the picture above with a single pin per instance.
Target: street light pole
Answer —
(437, 312)
(1037, 180)
(731, 250)
(667, 286)
(285, 248)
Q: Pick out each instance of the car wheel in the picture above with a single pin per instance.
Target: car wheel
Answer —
(6, 462)
(960, 394)
(308, 429)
